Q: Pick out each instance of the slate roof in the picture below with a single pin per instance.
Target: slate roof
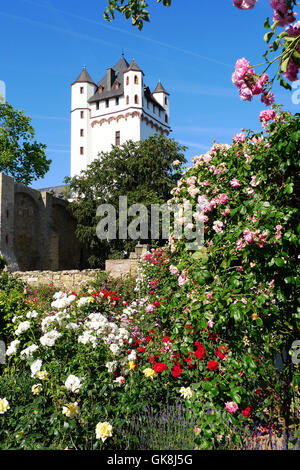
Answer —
(84, 77)
(134, 67)
(117, 75)
(159, 88)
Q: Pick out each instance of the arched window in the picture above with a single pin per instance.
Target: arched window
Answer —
(136, 99)
(127, 99)
(166, 118)
(136, 80)
(127, 80)
(166, 100)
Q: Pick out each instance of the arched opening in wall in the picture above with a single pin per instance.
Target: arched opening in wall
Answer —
(69, 249)
(136, 99)
(127, 80)
(127, 99)
(26, 232)
(166, 118)
(136, 80)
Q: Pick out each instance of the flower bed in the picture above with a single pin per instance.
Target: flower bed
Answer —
(86, 370)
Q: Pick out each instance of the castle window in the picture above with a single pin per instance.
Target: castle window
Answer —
(117, 101)
(81, 150)
(166, 100)
(81, 114)
(81, 90)
(106, 103)
(100, 89)
(127, 80)
(127, 99)
(81, 133)
(97, 105)
(117, 138)
(136, 80)
(116, 85)
(136, 99)
(166, 118)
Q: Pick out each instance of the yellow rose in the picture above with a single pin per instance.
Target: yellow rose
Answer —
(150, 373)
(42, 375)
(70, 409)
(4, 406)
(36, 389)
(254, 316)
(103, 431)
(131, 364)
(186, 392)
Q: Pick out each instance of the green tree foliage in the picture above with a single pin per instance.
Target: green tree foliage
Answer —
(21, 156)
(134, 9)
(142, 171)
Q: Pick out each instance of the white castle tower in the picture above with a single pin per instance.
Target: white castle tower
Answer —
(119, 108)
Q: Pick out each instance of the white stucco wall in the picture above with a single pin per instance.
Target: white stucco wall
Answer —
(100, 136)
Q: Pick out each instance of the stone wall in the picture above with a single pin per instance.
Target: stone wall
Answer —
(65, 280)
(73, 279)
(37, 230)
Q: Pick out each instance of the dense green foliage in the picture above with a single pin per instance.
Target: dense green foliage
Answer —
(20, 155)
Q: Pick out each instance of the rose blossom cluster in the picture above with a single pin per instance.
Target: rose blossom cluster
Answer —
(281, 12)
(293, 68)
(266, 116)
(244, 4)
(245, 79)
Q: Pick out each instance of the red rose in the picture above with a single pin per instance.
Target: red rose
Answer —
(176, 371)
(212, 365)
(141, 350)
(166, 339)
(220, 353)
(159, 367)
(156, 303)
(246, 412)
(200, 352)
(258, 392)
(148, 338)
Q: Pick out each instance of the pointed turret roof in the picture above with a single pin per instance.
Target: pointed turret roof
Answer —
(160, 89)
(134, 67)
(84, 77)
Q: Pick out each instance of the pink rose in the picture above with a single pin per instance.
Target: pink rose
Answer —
(244, 4)
(231, 406)
(248, 236)
(235, 183)
(240, 137)
(182, 279)
(223, 198)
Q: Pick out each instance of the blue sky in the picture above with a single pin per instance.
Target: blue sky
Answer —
(191, 47)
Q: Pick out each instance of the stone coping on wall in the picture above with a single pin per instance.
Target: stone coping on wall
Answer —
(63, 279)
(73, 279)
